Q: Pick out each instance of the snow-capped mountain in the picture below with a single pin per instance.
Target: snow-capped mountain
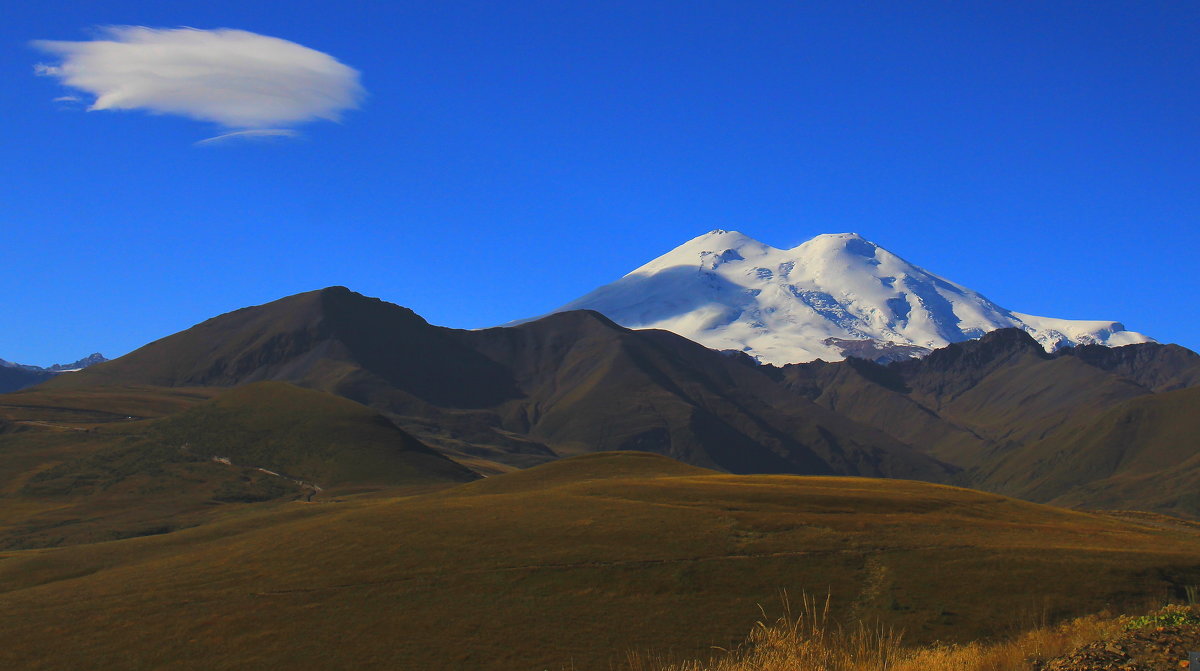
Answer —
(834, 295)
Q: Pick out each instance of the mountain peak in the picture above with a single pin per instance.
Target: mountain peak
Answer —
(709, 250)
(727, 290)
(837, 236)
(90, 360)
(719, 238)
(828, 244)
(716, 232)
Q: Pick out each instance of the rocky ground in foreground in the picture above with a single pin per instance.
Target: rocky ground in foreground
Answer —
(1152, 648)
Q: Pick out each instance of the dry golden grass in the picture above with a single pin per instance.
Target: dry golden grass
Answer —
(570, 565)
(810, 641)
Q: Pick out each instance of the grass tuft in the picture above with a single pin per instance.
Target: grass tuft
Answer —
(812, 642)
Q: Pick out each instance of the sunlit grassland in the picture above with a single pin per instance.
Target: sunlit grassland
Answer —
(573, 563)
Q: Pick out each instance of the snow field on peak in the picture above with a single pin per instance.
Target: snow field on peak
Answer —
(726, 290)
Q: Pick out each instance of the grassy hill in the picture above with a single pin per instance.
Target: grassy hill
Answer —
(75, 469)
(568, 565)
(313, 436)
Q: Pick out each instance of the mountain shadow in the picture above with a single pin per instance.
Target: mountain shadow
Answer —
(978, 413)
(569, 383)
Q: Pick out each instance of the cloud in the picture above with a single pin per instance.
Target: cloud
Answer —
(235, 78)
(250, 135)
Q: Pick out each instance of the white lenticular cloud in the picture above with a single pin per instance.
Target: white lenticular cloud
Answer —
(236, 78)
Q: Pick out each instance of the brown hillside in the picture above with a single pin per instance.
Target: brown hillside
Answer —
(1026, 423)
(569, 565)
(593, 386)
(1142, 454)
(79, 475)
(566, 384)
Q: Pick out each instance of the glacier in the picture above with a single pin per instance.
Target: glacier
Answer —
(833, 295)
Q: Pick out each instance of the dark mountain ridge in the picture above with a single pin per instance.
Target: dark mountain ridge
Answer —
(576, 382)
(1024, 422)
(17, 376)
(1156, 367)
(567, 384)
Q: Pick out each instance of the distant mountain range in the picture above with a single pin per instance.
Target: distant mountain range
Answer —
(998, 413)
(15, 376)
(834, 296)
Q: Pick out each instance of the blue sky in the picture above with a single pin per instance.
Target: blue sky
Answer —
(509, 157)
